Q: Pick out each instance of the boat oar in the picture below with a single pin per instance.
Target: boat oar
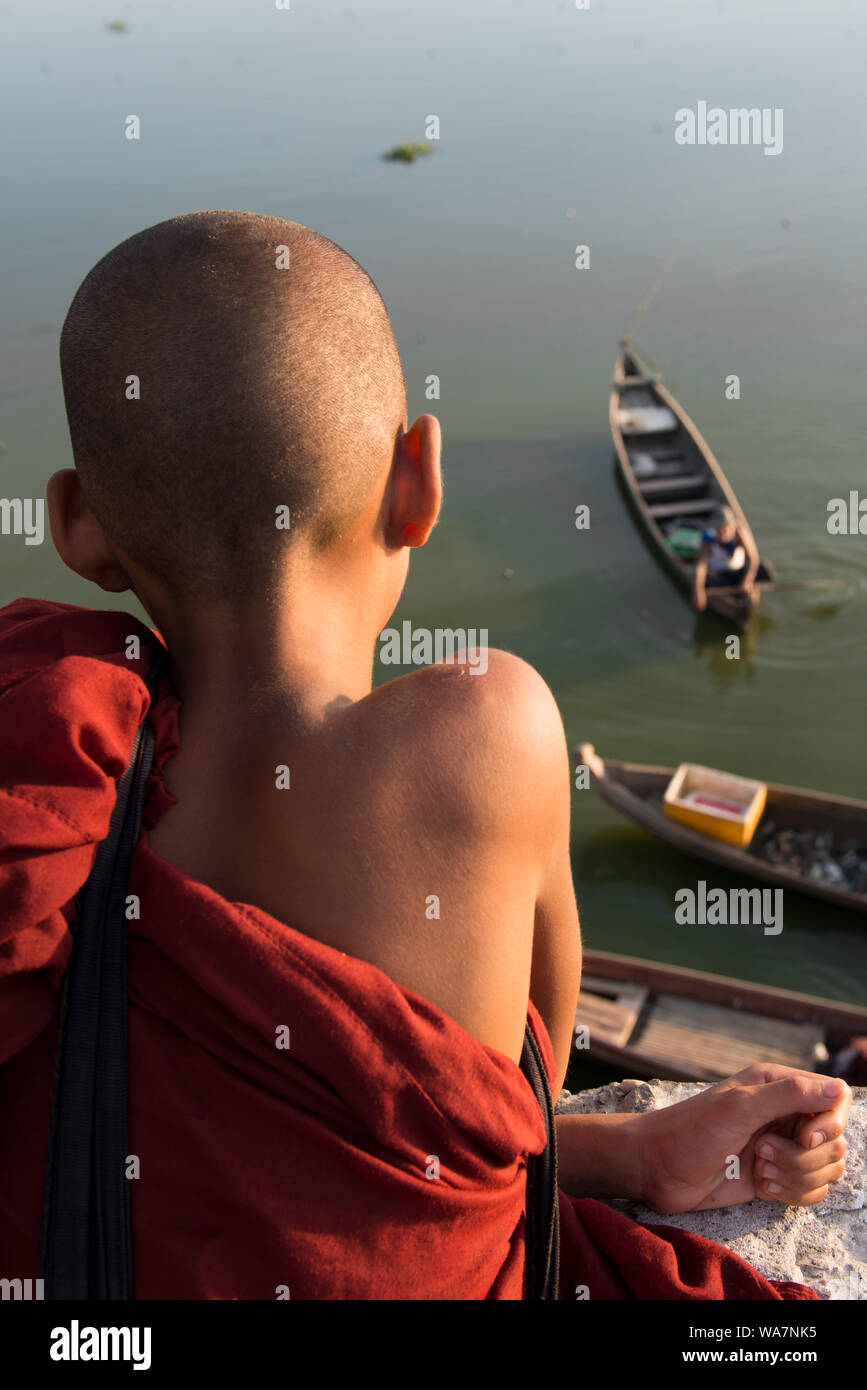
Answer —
(767, 586)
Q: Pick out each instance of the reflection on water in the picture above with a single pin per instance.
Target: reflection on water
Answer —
(566, 135)
(712, 645)
(638, 876)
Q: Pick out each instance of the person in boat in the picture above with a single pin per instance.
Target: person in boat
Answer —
(346, 903)
(722, 559)
(849, 1061)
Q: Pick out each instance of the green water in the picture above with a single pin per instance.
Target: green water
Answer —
(557, 130)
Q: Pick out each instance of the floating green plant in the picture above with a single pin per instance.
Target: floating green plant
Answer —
(118, 26)
(409, 153)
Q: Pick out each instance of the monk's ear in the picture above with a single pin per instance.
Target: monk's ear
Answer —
(416, 483)
(78, 537)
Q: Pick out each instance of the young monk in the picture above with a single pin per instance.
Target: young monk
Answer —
(325, 1099)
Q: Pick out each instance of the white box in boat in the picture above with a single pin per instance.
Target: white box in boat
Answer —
(646, 419)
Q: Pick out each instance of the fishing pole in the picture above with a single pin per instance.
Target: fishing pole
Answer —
(651, 292)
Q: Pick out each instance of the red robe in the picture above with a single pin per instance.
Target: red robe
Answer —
(380, 1155)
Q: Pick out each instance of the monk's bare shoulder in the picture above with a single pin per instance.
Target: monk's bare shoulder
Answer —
(486, 747)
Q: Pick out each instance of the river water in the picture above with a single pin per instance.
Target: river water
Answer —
(557, 130)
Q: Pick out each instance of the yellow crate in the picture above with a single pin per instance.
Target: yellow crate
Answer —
(734, 822)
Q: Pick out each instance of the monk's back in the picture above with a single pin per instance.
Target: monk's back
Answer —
(379, 833)
(301, 1121)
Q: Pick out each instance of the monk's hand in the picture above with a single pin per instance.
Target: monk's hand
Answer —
(770, 1132)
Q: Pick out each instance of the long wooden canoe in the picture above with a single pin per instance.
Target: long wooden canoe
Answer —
(637, 790)
(685, 1025)
(672, 478)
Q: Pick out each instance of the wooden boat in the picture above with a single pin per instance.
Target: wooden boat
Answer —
(637, 790)
(672, 478)
(684, 1025)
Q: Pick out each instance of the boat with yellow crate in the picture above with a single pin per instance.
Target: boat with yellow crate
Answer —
(813, 842)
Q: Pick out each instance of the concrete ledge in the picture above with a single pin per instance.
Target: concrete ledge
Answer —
(824, 1246)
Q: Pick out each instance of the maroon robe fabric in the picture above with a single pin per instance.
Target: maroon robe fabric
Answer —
(382, 1154)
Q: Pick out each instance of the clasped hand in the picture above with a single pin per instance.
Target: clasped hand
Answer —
(784, 1127)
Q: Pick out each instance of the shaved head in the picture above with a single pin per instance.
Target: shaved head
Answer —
(267, 378)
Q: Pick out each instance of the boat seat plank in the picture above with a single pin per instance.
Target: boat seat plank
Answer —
(610, 1018)
(685, 1051)
(628, 381)
(734, 1023)
(604, 1019)
(703, 506)
(723, 1041)
(678, 482)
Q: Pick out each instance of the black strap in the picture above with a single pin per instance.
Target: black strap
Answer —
(542, 1267)
(85, 1249)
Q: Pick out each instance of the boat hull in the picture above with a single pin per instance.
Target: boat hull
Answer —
(635, 788)
(734, 609)
(766, 1009)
